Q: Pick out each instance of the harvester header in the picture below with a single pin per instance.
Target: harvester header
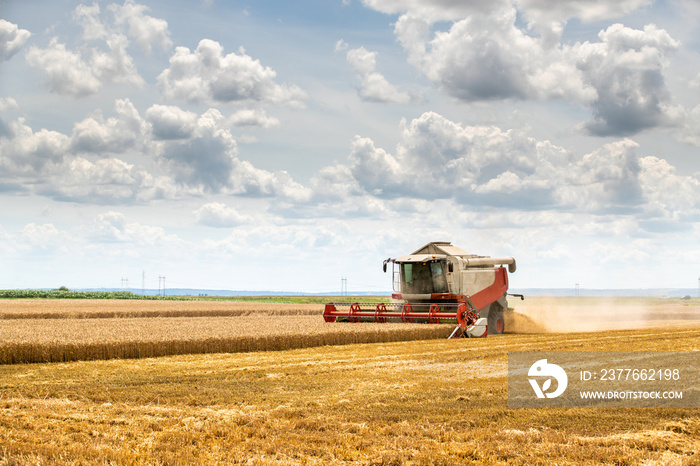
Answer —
(440, 283)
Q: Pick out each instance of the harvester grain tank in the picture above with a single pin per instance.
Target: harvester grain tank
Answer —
(440, 283)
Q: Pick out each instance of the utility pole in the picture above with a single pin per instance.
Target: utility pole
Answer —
(577, 292)
(143, 282)
(125, 283)
(344, 286)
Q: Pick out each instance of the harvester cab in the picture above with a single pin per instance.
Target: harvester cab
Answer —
(440, 283)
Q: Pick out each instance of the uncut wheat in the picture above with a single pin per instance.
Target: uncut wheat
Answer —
(91, 308)
(52, 340)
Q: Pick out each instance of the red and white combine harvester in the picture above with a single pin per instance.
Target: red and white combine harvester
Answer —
(440, 283)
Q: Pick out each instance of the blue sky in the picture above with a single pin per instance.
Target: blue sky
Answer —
(285, 145)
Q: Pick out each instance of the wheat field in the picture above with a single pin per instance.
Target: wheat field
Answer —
(430, 402)
(59, 330)
(123, 308)
(35, 330)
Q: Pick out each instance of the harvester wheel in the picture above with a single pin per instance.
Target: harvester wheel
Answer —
(496, 322)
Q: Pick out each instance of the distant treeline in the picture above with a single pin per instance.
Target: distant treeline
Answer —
(68, 294)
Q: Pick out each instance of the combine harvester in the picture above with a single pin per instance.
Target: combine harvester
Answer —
(440, 283)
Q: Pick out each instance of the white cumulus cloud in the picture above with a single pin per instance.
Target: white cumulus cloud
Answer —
(67, 72)
(171, 122)
(549, 18)
(12, 39)
(116, 134)
(8, 103)
(80, 74)
(104, 182)
(253, 117)
(144, 29)
(219, 215)
(207, 75)
(480, 166)
(113, 227)
(374, 87)
(26, 153)
(89, 19)
(84, 71)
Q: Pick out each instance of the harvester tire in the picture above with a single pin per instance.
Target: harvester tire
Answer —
(496, 321)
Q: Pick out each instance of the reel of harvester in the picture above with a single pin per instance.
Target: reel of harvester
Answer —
(469, 324)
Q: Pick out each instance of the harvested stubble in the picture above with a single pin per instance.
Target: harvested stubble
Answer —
(437, 402)
(60, 340)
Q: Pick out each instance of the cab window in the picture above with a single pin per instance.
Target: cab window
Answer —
(424, 277)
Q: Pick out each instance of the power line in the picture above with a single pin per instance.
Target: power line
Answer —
(159, 280)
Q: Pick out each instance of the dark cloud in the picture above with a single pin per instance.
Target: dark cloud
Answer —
(202, 161)
(489, 56)
(4, 129)
(625, 68)
(628, 102)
